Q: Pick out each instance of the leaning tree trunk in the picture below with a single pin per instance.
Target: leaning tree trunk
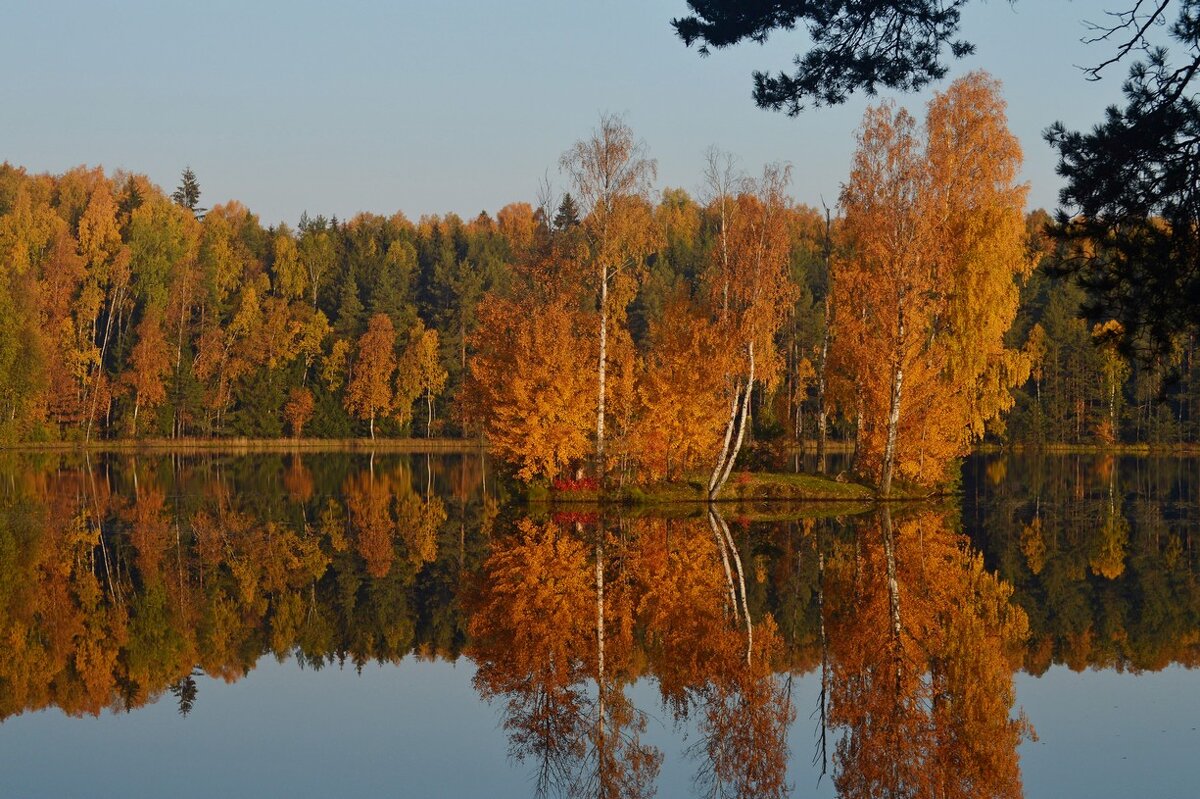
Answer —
(117, 299)
(725, 544)
(737, 418)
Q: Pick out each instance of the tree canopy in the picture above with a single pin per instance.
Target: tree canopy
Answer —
(855, 45)
(1131, 203)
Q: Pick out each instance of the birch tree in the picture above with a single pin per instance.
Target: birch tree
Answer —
(369, 392)
(612, 176)
(750, 293)
(928, 286)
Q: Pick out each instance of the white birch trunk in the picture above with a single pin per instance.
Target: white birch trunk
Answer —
(601, 371)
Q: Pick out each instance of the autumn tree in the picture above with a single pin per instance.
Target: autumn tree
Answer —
(612, 177)
(298, 410)
(418, 373)
(107, 284)
(680, 392)
(369, 391)
(149, 364)
(749, 292)
(530, 383)
(929, 285)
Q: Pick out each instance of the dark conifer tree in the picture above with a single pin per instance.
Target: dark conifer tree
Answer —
(188, 193)
(568, 213)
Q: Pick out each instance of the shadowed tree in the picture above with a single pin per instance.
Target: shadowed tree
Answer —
(857, 45)
(1130, 209)
(187, 194)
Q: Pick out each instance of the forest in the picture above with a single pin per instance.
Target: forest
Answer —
(639, 332)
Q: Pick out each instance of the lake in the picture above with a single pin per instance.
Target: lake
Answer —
(399, 625)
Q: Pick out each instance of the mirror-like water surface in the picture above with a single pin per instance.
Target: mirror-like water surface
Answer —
(346, 625)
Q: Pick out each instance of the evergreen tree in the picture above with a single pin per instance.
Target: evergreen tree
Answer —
(568, 213)
(188, 193)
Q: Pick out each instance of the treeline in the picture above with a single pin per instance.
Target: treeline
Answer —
(128, 312)
(1081, 389)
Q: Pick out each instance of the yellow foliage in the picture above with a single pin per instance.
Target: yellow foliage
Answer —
(682, 412)
(532, 385)
(935, 249)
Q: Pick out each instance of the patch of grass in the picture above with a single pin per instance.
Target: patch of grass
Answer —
(793, 487)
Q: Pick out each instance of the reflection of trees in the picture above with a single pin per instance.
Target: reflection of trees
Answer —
(923, 646)
(549, 621)
(1101, 552)
(554, 631)
(118, 579)
(712, 661)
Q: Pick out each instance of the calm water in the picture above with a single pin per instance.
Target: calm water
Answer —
(337, 626)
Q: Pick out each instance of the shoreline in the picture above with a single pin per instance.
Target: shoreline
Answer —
(249, 446)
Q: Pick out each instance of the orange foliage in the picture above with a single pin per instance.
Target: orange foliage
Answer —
(298, 410)
(681, 408)
(923, 646)
(532, 385)
(934, 245)
(370, 389)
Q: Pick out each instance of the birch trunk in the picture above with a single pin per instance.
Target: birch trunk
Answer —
(729, 457)
(600, 679)
(116, 300)
(600, 372)
(889, 550)
(822, 411)
(889, 451)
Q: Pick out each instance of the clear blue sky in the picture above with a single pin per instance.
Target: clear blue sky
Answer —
(454, 105)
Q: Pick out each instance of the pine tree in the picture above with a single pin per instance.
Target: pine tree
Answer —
(568, 213)
(188, 193)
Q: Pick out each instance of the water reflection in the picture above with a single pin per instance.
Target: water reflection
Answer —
(1102, 553)
(124, 580)
(923, 645)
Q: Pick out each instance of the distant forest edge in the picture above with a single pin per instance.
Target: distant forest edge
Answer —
(128, 313)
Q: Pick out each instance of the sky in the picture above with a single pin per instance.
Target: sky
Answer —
(456, 106)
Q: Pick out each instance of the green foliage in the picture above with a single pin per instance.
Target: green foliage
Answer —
(858, 46)
(259, 411)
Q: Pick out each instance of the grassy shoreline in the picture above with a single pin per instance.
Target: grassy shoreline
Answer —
(756, 488)
(1174, 449)
(185, 445)
(248, 446)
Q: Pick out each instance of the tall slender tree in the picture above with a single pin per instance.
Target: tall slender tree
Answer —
(187, 194)
(612, 177)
